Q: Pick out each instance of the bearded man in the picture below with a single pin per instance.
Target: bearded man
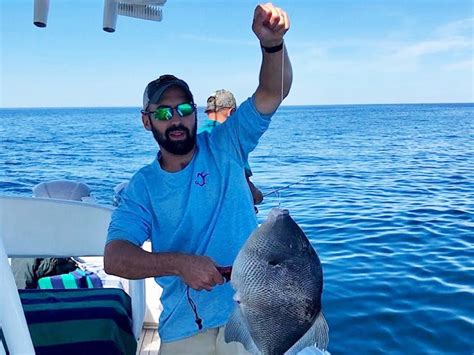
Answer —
(193, 201)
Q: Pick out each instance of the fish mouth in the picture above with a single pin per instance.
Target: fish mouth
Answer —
(277, 212)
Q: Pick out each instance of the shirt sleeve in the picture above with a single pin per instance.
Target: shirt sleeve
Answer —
(240, 133)
(131, 220)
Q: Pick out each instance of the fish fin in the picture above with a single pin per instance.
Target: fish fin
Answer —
(316, 336)
(236, 330)
(311, 350)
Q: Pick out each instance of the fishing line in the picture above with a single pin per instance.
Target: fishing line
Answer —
(276, 191)
(282, 83)
(282, 70)
(300, 181)
(278, 196)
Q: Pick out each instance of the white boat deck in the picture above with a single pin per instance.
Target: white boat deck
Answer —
(149, 342)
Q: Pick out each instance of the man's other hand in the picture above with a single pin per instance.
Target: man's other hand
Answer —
(199, 272)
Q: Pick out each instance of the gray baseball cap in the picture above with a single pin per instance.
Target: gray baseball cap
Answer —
(220, 99)
(155, 89)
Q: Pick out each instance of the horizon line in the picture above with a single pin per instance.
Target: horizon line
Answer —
(281, 106)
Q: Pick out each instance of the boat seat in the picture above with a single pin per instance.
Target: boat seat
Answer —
(79, 191)
(37, 227)
(29, 272)
(64, 189)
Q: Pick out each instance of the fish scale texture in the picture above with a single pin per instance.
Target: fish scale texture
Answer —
(278, 280)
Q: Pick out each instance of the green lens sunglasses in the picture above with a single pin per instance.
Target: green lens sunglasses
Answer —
(165, 113)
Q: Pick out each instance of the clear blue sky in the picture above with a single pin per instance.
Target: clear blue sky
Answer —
(366, 51)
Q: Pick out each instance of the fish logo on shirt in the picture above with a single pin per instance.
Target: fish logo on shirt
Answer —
(201, 178)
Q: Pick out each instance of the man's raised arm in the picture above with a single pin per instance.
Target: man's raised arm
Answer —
(270, 24)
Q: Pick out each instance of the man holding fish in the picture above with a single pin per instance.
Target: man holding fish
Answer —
(193, 201)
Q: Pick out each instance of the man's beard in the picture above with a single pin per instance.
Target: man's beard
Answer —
(176, 147)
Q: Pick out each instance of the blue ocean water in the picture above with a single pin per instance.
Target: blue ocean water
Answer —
(384, 192)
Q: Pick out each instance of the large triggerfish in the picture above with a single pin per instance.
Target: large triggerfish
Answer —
(278, 280)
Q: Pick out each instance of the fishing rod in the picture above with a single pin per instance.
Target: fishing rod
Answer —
(289, 185)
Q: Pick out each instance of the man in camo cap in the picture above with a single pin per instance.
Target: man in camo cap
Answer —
(221, 105)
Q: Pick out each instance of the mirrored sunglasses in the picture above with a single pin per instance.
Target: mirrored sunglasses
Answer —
(165, 113)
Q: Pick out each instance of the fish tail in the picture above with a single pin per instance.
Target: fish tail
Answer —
(322, 332)
(316, 338)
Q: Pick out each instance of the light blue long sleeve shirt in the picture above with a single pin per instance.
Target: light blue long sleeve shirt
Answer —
(208, 126)
(204, 209)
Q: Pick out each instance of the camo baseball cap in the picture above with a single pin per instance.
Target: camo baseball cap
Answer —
(220, 99)
(155, 89)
